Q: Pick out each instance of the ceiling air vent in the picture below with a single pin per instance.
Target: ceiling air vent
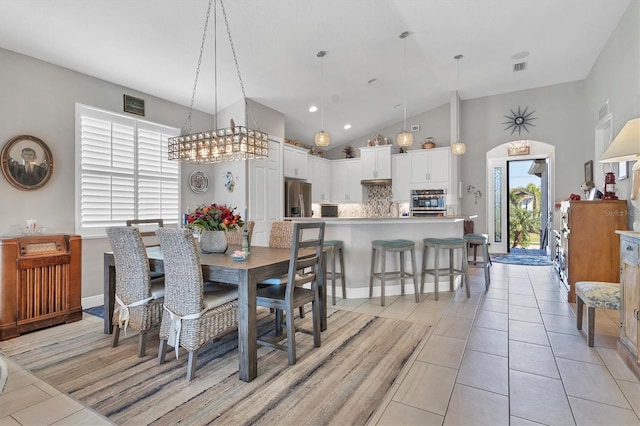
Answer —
(520, 66)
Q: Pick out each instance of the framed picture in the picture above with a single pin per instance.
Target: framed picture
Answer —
(133, 105)
(27, 162)
(588, 171)
(623, 170)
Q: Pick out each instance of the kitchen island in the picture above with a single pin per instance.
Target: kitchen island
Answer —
(358, 233)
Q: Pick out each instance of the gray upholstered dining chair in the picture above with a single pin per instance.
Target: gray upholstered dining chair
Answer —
(306, 255)
(192, 317)
(138, 297)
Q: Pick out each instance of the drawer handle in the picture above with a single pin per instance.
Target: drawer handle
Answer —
(629, 248)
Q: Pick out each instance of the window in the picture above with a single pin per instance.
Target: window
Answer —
(124, 171)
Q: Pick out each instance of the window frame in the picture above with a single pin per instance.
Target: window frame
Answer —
(165, 182)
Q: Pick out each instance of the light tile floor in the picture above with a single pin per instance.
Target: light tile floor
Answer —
(510, 355)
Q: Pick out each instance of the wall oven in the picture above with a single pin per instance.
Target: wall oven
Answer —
(428, 202)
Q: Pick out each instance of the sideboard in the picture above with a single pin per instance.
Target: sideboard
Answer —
(40, 282)
(629, 299)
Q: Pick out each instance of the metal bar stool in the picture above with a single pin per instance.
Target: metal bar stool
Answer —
(392, 246)
(450, 244)
(331, 247)
(475, 240)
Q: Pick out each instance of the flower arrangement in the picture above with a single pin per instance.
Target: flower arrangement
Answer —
(214, 217)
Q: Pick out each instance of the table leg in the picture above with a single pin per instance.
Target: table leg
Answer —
(247, 327)
(109, 290)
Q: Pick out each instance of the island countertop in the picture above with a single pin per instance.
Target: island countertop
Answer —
(386, 220)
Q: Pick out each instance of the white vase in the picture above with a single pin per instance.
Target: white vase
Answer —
(213, 242)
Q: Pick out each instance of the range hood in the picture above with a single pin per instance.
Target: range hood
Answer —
(375, 182)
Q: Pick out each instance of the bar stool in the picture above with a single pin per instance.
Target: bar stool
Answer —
(392, 246)
(331, 247)
(450, 244)
(475, 240)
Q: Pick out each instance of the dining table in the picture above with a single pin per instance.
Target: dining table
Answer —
(260, 264)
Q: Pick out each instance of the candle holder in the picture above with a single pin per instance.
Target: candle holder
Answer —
(245, 239)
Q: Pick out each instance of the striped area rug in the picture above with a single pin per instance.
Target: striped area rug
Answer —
(342, 382)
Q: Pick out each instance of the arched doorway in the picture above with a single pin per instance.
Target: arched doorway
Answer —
(498, 190)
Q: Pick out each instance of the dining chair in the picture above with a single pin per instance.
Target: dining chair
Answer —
(281, 236)
(192, 317)
(138, 298)
(148, 237)
(234, 236)
(306, 255)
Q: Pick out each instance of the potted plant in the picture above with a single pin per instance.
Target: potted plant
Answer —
(349, 152)
(211, 221)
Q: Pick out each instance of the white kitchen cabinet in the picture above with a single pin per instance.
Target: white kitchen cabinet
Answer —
(346, 182)
(430, 168)
(295, 162)
(320, 177)
(376, 162)
(400, 177)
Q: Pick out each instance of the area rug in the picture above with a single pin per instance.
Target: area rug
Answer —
(342, 382)
(97, 311)
(522, 259)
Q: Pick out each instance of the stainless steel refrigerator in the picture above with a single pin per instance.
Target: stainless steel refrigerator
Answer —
(297, 199)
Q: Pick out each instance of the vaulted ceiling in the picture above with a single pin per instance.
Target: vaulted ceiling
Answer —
(153, 46)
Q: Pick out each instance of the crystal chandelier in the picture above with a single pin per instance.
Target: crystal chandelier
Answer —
(322, 138)
(458, 147)
(222, 144)
(405, 139)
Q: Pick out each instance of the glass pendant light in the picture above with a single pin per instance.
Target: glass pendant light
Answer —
(322, 138)
(458, 147)
(405, 139)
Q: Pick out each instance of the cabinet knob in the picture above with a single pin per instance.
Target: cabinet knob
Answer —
(628, 248)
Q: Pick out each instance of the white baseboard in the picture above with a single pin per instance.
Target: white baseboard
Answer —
(91, 301)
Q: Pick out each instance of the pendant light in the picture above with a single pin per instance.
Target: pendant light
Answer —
(458, 147)
(405, 139)
(322, 138)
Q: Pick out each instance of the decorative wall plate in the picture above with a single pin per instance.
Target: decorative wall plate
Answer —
(199, 182)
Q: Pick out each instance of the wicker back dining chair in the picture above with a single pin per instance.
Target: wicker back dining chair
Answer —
(192, 317)
(148, 237)
(138, 298)
(306, 255)
(234, 237)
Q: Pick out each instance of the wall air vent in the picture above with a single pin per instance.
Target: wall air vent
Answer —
(520, 66)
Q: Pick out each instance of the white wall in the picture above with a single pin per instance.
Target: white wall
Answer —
(39, 99)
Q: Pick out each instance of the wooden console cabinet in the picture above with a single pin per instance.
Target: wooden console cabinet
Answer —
(630, 299)
(40, 282)
(590, 246)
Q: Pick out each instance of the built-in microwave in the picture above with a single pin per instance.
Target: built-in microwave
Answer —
(428, 202)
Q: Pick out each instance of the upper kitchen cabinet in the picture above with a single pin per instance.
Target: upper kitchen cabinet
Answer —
(431, 169)
(320, 178)
(376, 162)
(346, 188)
(295, 162)
(400, 176)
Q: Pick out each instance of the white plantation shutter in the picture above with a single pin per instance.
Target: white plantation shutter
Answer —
(124, 172)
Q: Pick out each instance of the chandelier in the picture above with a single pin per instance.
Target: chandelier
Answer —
(231, 143)
(322, 138)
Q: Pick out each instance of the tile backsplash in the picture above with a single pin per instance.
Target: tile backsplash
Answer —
(379, 204)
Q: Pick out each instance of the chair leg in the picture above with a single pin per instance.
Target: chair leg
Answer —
(579, 312)
(402, 273)
(383, 264)
(315, 308)
(436, 266)
(116, 335)
(291, 338)
(142, 344)
(373, 264)
(424, 268)
(332, 257)
(591, 317)
(451, 276)
(465, 275)
(162, 351)
(301, 311)
(279, 322)
(487, 263)
(415, 275)
(191, 365)
(344, 285)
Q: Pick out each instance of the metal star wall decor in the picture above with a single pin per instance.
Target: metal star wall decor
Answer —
(519, 120)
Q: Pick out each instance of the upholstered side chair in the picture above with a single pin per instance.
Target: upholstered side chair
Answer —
(192, 317)
(138, 298)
